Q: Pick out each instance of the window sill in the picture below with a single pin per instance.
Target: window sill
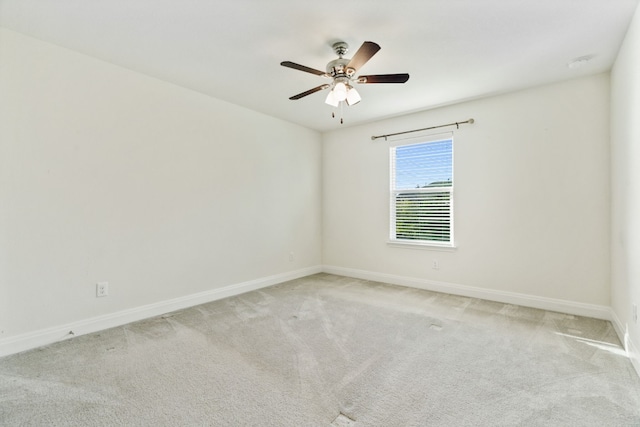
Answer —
(425, 246)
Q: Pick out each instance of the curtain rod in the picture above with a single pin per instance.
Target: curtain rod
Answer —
(457, 124)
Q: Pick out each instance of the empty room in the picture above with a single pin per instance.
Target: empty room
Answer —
(408, 213)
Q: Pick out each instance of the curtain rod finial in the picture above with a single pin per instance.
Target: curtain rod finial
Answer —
(471, 121)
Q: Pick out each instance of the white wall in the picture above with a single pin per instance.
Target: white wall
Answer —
(109, 175)
(531, 200)
(625, 187)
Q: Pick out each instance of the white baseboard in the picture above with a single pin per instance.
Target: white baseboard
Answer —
(57, 333)
(623, 334)
(550, 304)
(54, 334)
(633, 354)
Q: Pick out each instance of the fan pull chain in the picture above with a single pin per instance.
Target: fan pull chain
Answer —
(333, 113)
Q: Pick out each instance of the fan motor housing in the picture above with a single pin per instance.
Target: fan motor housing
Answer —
(338, 68)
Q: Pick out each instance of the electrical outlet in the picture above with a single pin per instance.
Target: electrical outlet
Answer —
(634, 312)
(291, 256)
(102, 289)
(435, 265)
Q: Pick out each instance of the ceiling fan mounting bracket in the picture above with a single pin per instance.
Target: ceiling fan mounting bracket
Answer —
(340, 48)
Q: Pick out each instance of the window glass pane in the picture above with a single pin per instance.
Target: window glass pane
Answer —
(424, 165)
(422, 192)
(423, 216)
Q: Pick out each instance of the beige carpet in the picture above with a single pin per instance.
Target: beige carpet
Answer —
(331, 351)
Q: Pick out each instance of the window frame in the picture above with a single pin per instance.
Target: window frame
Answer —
(393, 193)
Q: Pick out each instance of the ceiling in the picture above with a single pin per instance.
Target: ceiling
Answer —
(454, 50)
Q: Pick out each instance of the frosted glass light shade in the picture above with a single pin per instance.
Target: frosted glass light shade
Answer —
(353, 97)
(331, 99)
(340, 91)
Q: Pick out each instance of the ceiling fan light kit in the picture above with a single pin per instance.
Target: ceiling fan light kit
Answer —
(342, 72)
(353, 97)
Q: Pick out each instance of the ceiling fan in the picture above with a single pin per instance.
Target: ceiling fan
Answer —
(342, 71)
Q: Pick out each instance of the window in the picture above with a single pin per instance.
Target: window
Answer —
(422, 193)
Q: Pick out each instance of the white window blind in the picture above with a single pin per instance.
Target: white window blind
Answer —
(422, 193)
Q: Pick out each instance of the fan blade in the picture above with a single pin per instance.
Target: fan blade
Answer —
(364, 54)
(295, 66)
(309, 92)
(384, 78)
